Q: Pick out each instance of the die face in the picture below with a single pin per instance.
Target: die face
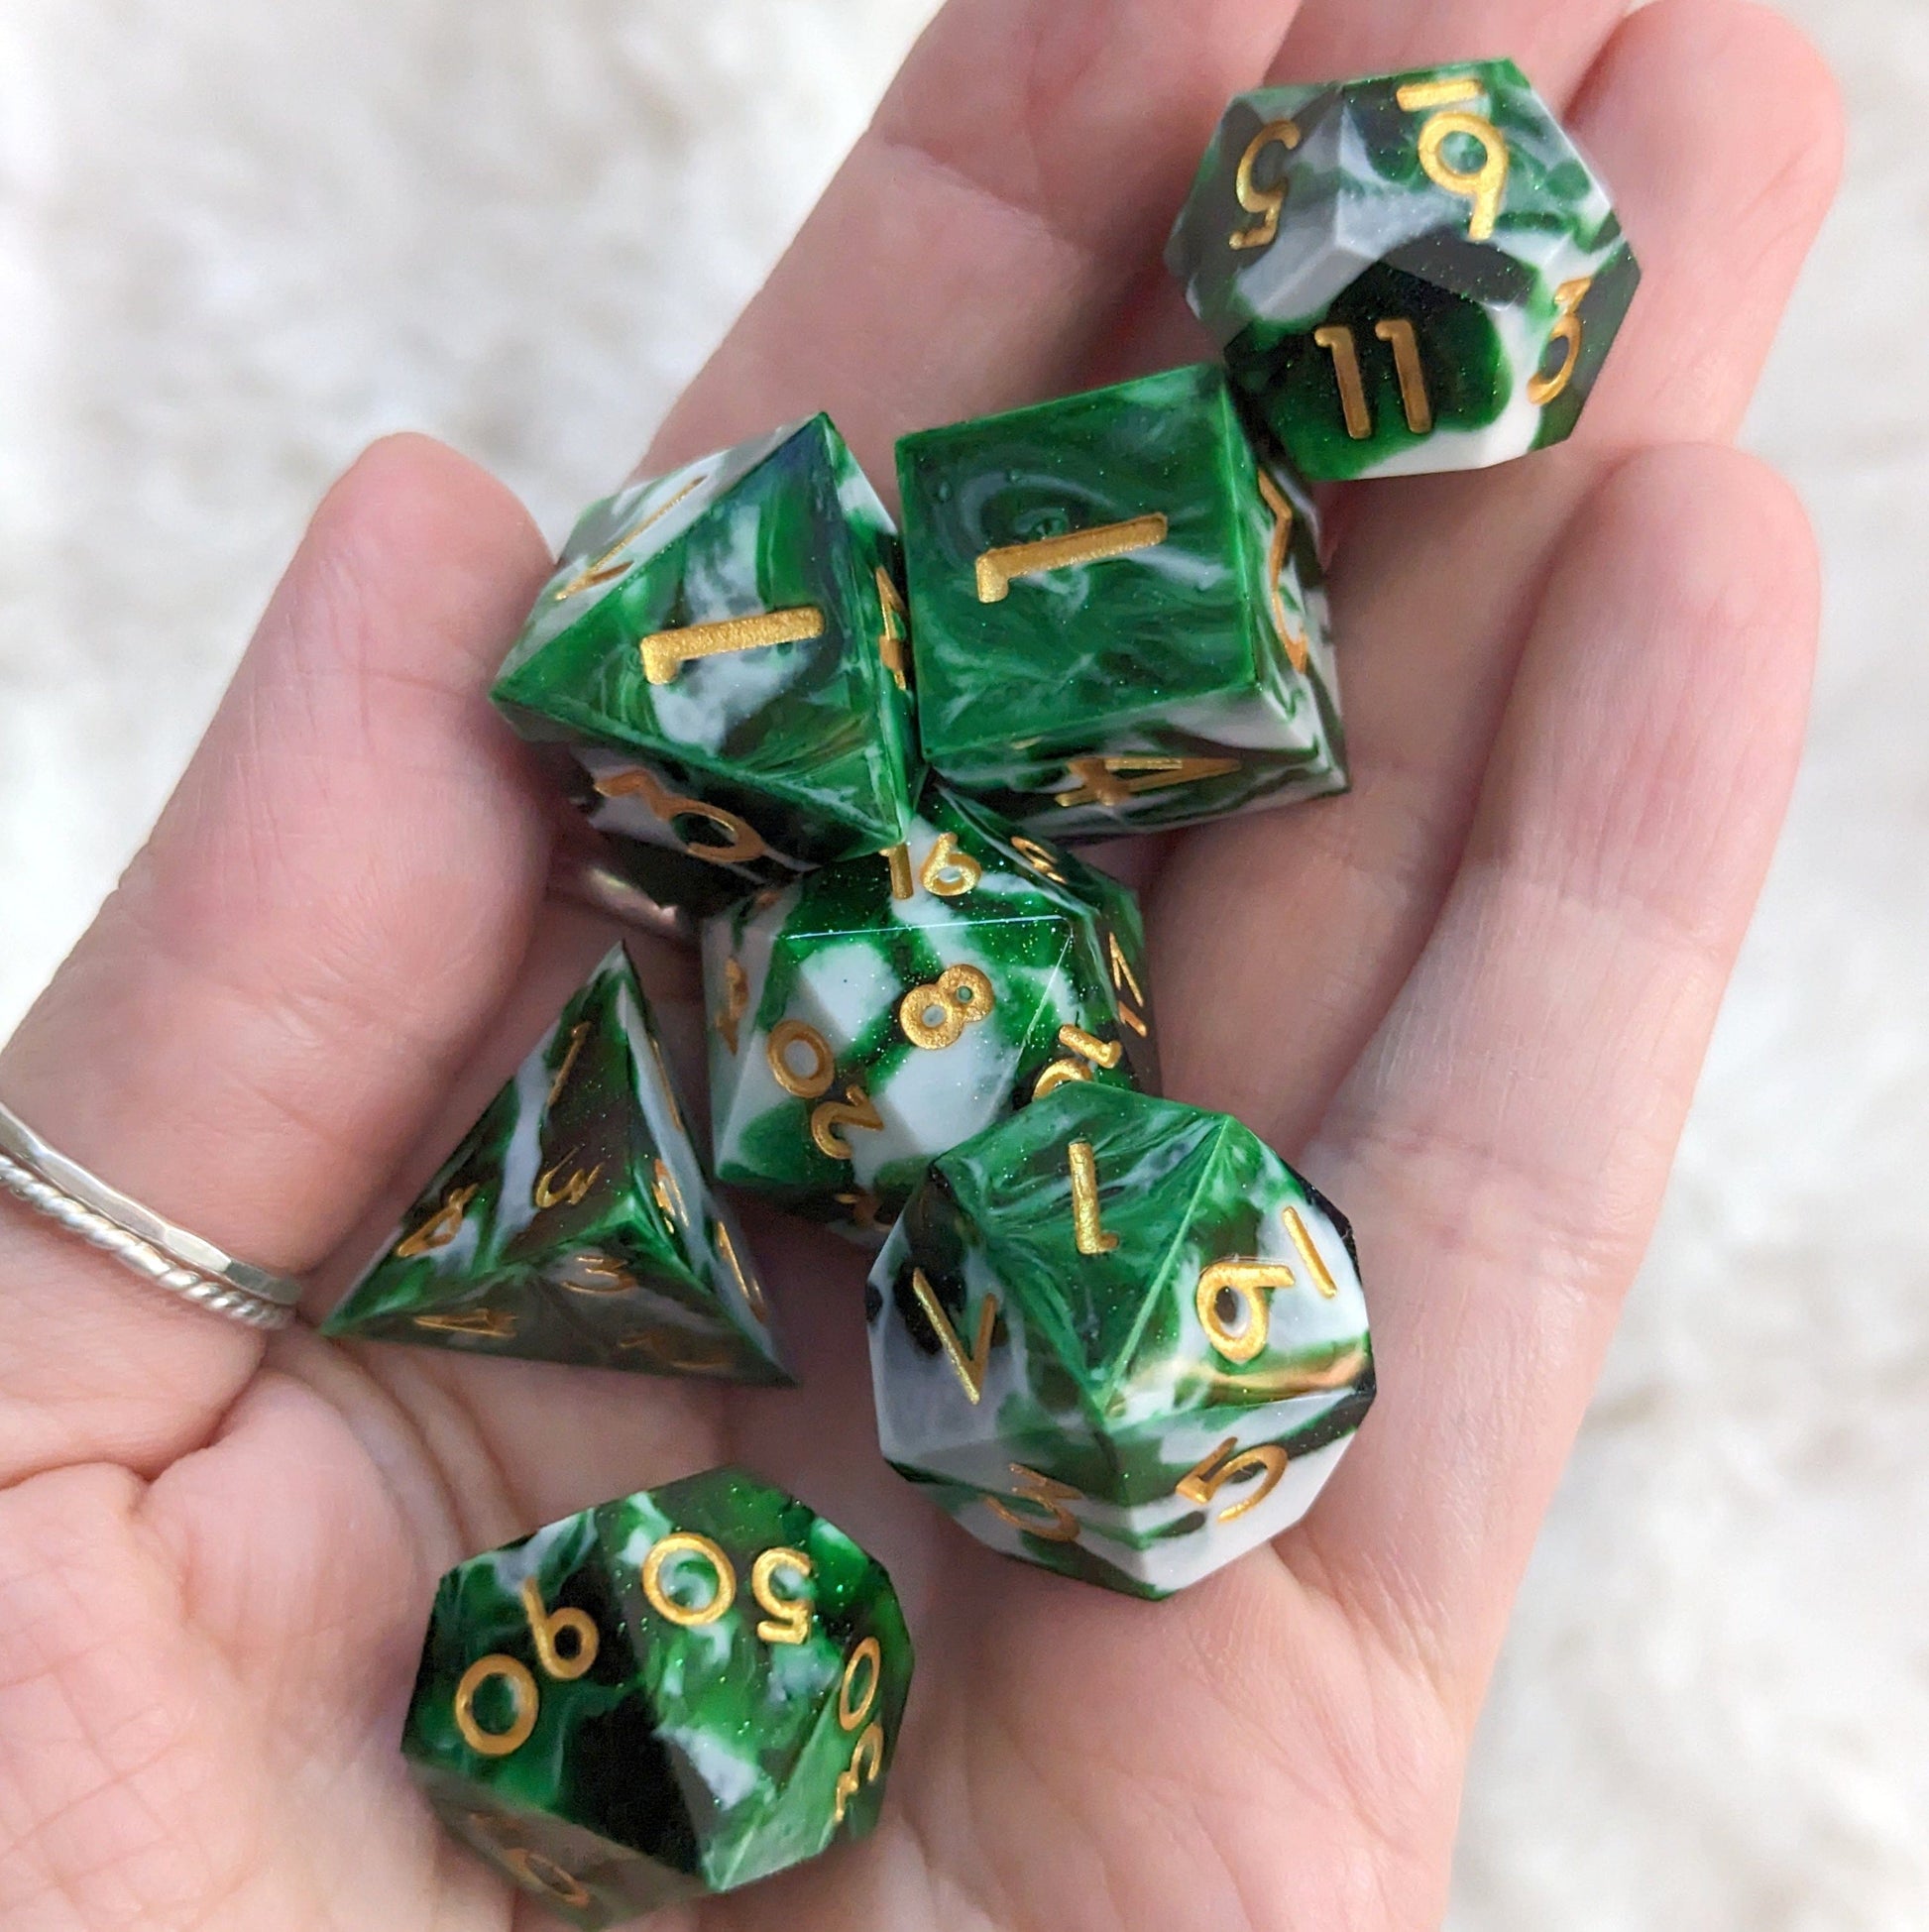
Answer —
(1118, 615)
(764, 1709)
(720, 657)
(521, 1746)
(1131, 1375)
(887, 1009)
(584, 1879)
(664, 1697)
(574, 1224)
(1409, 272)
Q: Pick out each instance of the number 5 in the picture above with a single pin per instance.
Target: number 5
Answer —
(1046, 1494)
(1203, 1484)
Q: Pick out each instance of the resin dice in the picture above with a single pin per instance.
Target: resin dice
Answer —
(887, 1009)
(574, 1224)
(720, 665)
(1415, 272)
(1117, 612)
(660, 1698)
(1120, 1337)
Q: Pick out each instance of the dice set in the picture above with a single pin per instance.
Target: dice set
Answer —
(1113, 1336)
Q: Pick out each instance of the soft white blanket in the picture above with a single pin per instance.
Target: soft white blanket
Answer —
(237, 240)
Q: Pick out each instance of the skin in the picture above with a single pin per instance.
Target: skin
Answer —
(1470, 1001)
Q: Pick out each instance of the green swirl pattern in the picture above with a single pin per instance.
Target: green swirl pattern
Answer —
(1188, 677)
(1114, 1436)
(693, 1752)
(1058, 944)
(809, 744)
(575, 1223)
(1350, 228)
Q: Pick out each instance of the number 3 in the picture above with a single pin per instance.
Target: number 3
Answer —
(1568, 299)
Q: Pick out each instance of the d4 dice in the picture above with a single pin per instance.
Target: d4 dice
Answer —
(660, 1698)
(575, 1224)
(1414, 271)
(721, 664)
(1120, 1337)
(1117, 612)
(885, 1009)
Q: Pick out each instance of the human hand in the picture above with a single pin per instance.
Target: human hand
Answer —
(1470, 1001)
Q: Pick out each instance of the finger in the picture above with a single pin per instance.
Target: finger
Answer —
(1506, 1141)
(1439, 576)
(333, 903)
(980, 238)
(1727, 200)
(1554, 41)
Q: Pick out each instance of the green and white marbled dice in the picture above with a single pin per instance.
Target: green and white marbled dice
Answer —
(1120, 1338)
(1409, 272)
(887, 1008)
(720, 668)
(660, 1698)
(574, 1224)
(1117, 613)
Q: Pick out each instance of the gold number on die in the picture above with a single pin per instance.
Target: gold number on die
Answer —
(1203, 1484)
(1239, 1288)
(606, 569)
(855, 1109)
(1568, 299)
(1414, 400)
(571, 1192)
(1484, 186)
(1039, 860)
(740, 843)
(1083, 1052)
(722, 1578)
(969, 1369)
(787, 1619)
(546, 1628)
(533, 1868)
(998, 569)
(891, 640)
(1265, 202)
(666, 652)
(816, 1081)
(867, 1756)
(1293, 642)
(1044, 1493)
(1087, 1225)
(737, 1002)
(962, 997)
(578, 1036)
(1116, 781)
(1125, 982)
(440, 1229)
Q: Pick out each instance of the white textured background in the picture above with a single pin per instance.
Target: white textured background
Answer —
(237, 240)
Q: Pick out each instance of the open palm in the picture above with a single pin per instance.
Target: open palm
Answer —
(1470, 1001)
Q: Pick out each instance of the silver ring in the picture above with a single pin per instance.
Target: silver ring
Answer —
(155, 1249)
